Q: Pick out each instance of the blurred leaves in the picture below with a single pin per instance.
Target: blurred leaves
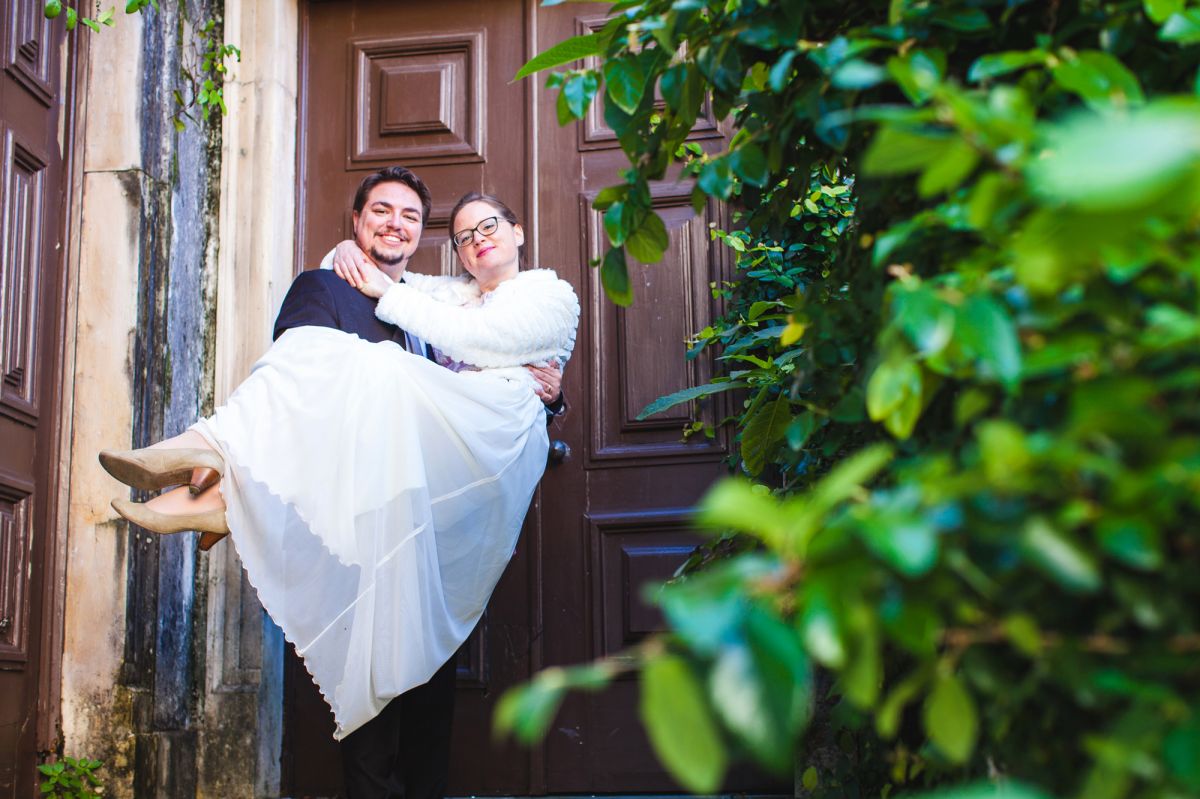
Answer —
(968, 229)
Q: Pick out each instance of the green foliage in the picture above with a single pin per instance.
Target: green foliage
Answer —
(207, 81)
(202, 74)
(55, 8)
(71, 778)
(968, 228)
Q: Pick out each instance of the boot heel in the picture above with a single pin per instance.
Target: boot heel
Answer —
(203, 478)
(208, 540)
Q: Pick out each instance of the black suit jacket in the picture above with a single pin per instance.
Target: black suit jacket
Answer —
(322, 299)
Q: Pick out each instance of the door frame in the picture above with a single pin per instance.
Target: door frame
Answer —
(58, 397)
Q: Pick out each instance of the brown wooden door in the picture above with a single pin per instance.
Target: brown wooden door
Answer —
(427, 85)
(616, 517)
(31, 198)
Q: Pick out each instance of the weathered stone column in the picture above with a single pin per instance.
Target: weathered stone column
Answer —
(144, 365)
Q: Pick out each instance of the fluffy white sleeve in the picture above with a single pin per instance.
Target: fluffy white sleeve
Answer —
(529, 319)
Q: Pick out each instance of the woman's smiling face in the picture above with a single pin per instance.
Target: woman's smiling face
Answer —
(491, 258)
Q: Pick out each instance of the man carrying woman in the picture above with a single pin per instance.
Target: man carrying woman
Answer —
(375, 468)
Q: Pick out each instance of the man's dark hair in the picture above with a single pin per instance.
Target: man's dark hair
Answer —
(395, 174)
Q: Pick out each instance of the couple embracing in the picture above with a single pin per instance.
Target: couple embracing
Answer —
(375, 468)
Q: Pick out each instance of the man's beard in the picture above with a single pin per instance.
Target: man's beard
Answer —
(387, 260)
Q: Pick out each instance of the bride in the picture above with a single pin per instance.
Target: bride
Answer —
(375, 496)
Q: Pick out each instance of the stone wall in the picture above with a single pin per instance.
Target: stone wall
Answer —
(171, 672)
(136, 641)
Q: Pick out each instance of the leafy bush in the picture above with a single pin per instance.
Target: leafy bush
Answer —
(970, 450)
(71, 778)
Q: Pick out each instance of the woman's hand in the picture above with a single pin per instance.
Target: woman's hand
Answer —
(353, 266)
(350, 263)
(549, 381)
(374, 282)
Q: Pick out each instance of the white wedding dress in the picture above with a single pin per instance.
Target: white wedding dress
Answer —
(375, 496)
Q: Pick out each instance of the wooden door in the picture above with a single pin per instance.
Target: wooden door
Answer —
(31, 199)
(427, 86)
(616, 517)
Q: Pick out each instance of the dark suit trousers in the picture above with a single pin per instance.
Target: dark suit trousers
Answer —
(404, 752)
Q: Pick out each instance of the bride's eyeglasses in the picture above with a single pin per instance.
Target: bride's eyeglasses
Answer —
(486, 228)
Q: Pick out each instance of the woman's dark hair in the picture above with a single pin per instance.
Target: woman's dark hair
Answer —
(395, 174)
(502, 210)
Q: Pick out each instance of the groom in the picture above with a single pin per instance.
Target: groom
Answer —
(405, 750)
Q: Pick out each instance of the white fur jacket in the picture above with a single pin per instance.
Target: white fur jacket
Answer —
(529, 319)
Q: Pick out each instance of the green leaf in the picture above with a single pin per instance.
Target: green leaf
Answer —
(707, 611)
(52, 8)
(906, 541)
(763, 432)
(898, 151)
(1131, 540)
(736, 504)
(749, 163)
(849, 476)
(820, 629)
(1183, 27)
(1060, 556)
(1099, 79)
(625, 82)
(564, 52)
(1023, 631)
(925, 318)
(894, 395)
(671, 84)
(680, 726)
(616, 223)
(781, 71)
(614, 276)
(966, 20)
(760, 689)
(956, 162)
(1160, 10)
(609, 195)
(527, 710)
(951, 721)
(856, 74)
(863, 671)
(913, 624)
(648, 243)
(683, 91)
(887, 718)
(800, 429)
(715, 179)
(72, 18)
(1181, 751)
(918, 73)
(994, 65)
(687, 395)
(576, 95)
(987, 332)
(1004, 452)
(1145, 153)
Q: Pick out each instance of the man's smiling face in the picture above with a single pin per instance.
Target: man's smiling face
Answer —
(389, 226)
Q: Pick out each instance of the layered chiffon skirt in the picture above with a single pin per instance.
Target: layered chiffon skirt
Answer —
(375, 498)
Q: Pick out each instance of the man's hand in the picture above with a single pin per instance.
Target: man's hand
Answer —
(350, 263)
(549, 381)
